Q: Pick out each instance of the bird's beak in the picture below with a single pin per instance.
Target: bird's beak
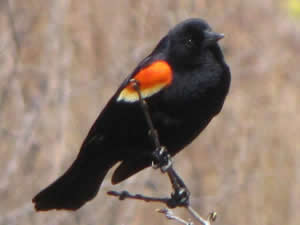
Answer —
(211, 37)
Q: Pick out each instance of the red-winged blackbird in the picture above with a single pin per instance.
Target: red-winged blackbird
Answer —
(184, 80)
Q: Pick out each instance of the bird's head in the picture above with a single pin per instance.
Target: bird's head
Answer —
(189, 39)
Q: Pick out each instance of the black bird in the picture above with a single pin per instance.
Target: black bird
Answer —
(184, 80)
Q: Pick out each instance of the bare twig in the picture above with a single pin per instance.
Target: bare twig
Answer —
(168, 202)
(171, 202)
(144, 106)
(181, 194)
(211, 217)
(170, 216)
(125, 194)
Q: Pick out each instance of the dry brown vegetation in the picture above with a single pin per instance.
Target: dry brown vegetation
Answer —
(61, 60)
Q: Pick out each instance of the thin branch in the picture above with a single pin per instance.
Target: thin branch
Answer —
(169, 203)
(125, 194)
(171, 216)
(144, 106)
(211, 217)
(181, 194)
(160, 154)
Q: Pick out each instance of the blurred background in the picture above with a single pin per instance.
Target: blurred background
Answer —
(60, 62)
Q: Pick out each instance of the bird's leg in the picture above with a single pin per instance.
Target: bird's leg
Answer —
(162, 159)
(181, 194)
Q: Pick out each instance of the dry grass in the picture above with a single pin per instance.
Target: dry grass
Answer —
(61, 60)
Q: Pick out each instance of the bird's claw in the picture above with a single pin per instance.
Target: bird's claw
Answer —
(161, 159)
(179, 198)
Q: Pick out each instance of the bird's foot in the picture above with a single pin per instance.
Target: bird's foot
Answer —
(162, 159)
(179, 198)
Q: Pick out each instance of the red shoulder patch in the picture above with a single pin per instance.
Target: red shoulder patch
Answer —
(152, 79)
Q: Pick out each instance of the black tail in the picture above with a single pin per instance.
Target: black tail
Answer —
(79, 184)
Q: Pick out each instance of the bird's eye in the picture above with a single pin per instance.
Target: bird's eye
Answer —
(189, 43)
